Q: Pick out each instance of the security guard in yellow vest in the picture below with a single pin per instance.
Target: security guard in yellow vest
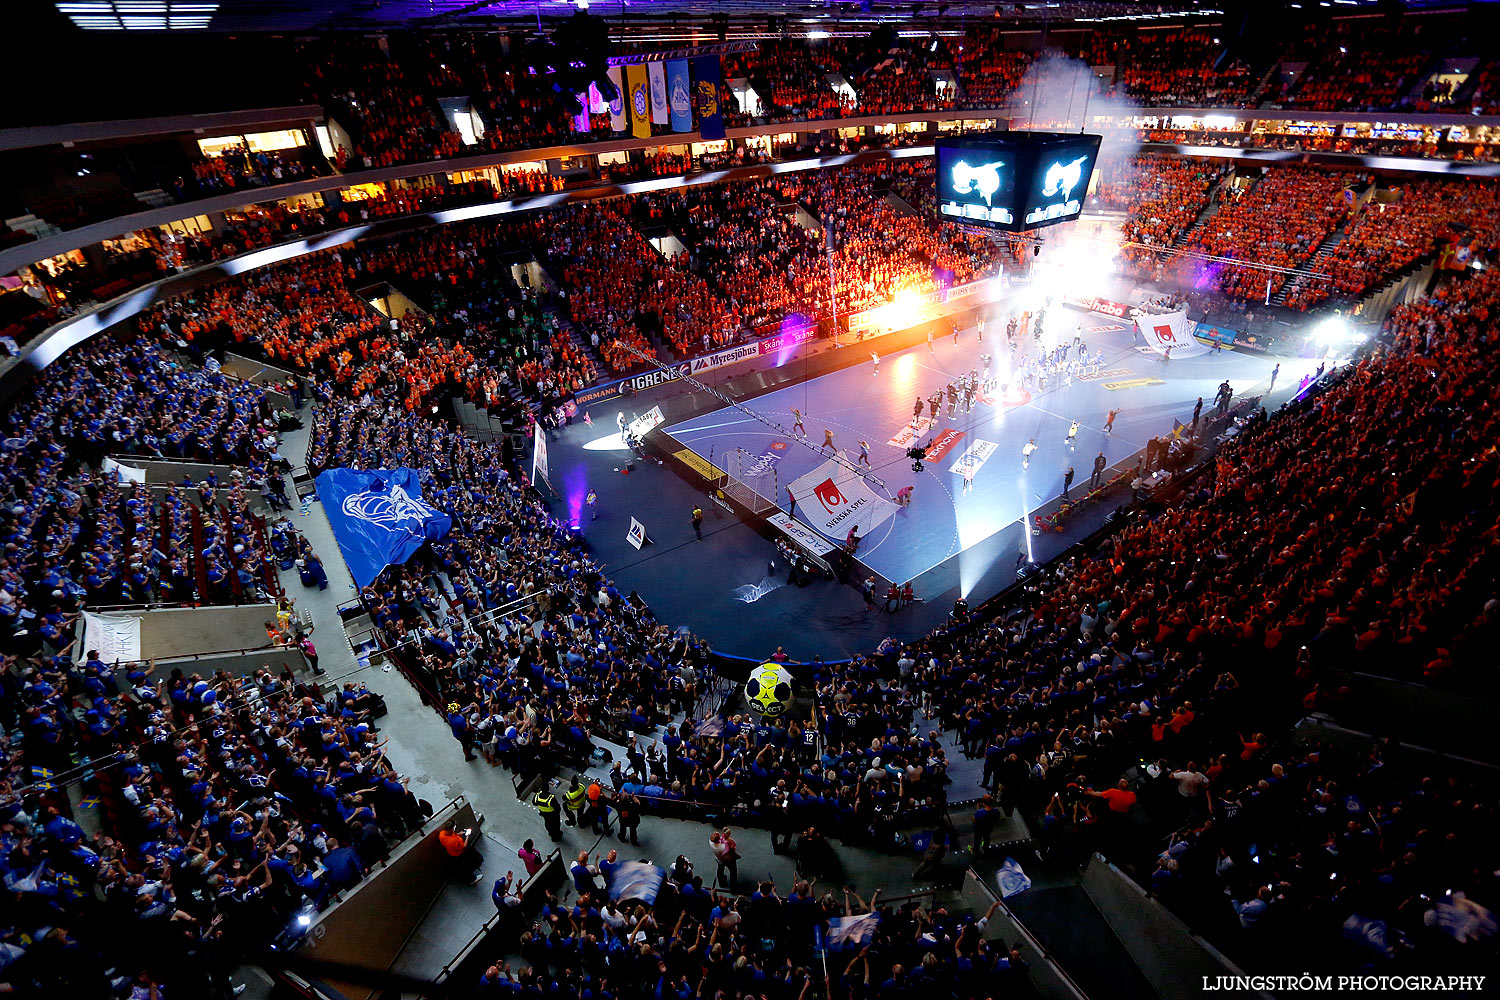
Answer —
(573, 800)
(546, 803)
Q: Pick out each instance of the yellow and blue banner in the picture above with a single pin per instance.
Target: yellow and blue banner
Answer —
(638, 97)
(710, 114)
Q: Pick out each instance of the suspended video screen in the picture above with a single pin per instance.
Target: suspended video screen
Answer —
(1015, 181)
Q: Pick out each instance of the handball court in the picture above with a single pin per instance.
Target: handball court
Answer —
(949, 542)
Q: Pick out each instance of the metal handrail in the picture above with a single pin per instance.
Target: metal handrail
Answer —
(1031, 939)
(492, 921)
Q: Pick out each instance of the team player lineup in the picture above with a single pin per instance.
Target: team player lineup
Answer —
(1056, 388)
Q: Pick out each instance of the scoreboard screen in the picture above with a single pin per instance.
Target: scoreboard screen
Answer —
(1015, 181)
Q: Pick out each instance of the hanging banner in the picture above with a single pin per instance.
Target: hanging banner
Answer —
(597, 104)
(660, 114)
(679, 97)
(116, 638)
(581, 121)
(1171, 331)
(835, 499)
(638, 98)
(126, 473)
(710, 115)
(617, 106)
(378, 517)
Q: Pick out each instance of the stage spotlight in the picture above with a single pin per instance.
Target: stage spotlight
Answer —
(1331, 330)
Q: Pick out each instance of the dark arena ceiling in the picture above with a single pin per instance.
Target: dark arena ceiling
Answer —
(283, 16)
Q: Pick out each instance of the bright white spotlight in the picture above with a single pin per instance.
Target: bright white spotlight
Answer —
(1331, 330)
(609, 442)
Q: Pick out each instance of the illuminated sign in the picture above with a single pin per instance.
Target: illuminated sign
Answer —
(1014, 181)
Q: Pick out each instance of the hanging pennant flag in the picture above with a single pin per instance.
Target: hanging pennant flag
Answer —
(597, 104)
(710, 115)
(659, 110)
(581, 121)
(617, 106)
(637, 87)
(679, 97)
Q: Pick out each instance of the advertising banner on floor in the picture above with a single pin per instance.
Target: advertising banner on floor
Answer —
(378, 517)
(710, 115)
(638, 100)
(972, 460)
(660, 113)
(617, 106)
(679, 96)
(765, 461)
(1171, 331)
(834, 499)
(942, 444)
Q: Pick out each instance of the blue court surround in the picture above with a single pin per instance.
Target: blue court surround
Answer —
(943, 521)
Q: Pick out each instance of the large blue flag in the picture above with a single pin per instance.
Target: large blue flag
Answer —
(378, 517)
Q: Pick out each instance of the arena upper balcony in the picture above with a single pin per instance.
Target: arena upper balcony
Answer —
(400, 124)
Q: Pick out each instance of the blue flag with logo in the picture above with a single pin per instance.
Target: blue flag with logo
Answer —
(378, 517)
(710, 115)
(679, 96)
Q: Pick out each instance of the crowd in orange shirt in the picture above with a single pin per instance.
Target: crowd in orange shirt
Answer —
(1279, 221)
(621, 286)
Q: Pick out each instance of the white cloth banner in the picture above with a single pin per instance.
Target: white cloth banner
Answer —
(116, 637)
(1171, 330)
(126, 473)
(834, 499)
(661, 110)
(647, 422)
(539, 473)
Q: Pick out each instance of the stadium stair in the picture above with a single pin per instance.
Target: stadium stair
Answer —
(1301, 276)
